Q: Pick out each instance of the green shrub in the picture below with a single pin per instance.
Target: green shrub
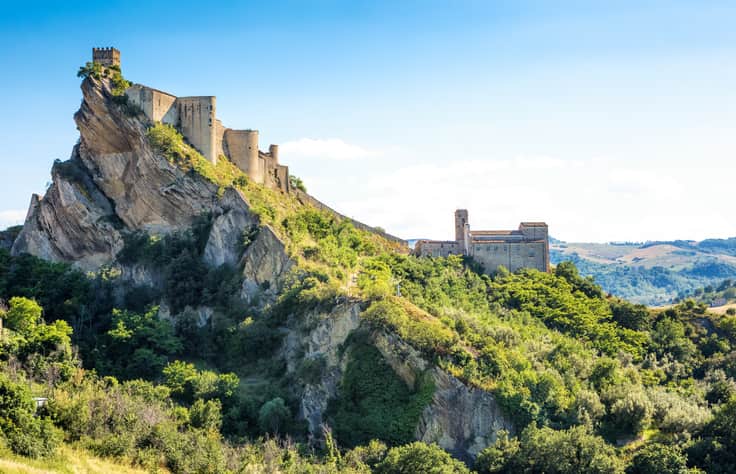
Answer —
(374, 403)
(658, 459)
(24, 433)
(419, 457)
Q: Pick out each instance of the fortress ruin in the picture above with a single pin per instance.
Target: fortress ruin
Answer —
(196, 118)
(527, 247)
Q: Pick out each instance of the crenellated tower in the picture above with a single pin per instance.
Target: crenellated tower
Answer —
(106, 56)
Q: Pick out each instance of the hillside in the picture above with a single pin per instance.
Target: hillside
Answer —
(653, 273)
(177, 315)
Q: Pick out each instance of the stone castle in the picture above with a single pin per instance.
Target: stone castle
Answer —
(196, 118)
(527, 247)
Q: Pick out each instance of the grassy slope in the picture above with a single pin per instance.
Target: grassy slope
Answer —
(68, 460)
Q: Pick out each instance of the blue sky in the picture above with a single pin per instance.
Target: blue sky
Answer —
(609, 120)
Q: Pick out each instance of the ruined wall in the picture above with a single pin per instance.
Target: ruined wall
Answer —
(512, 255)
(242, 149)
(197, 122)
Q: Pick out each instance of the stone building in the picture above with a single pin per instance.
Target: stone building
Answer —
(196, 118)
(526, 247)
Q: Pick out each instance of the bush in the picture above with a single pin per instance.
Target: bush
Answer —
(658, 459)
(571, 451)
(25, 433)
(273, 415)
(419, 457)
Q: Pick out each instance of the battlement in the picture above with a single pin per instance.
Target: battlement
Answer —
(106, 56)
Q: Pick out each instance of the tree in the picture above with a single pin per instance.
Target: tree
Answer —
(419, 457)
(272, 415)
(25, 433)
(23, 315)
(658, 459)
(571, 451)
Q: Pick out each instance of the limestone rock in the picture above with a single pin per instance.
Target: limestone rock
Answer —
(322, 342)
(462, 420)
(265, 263)
(74, 222)
(225, 242)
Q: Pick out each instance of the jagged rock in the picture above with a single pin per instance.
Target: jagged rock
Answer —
(74, 222)
(265, 263)
(462, 420)
(225, 242)
(8, 236)
(323, 342)
(149, 192)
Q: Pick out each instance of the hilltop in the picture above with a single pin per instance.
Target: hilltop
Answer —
(178, 314)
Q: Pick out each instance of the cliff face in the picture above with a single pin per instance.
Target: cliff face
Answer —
(114, 182)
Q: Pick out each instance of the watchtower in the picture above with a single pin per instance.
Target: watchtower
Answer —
(106, 56)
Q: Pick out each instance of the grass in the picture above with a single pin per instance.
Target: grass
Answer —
(67, 460)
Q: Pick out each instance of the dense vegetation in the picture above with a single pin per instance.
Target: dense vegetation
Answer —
(714, 295)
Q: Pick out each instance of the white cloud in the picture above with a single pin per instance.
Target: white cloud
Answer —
(11, 217)
(328, 149)
(598, 199)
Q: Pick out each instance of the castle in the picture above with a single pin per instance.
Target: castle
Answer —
(196, 118)
(527, 247)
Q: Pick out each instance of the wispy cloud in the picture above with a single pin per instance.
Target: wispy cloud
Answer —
(10, 217)
(327, 148)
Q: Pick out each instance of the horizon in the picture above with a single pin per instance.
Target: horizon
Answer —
(610, 122)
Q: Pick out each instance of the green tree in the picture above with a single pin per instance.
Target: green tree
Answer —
(420, 457)
(23, 315)
(273, 415)
(658, 458)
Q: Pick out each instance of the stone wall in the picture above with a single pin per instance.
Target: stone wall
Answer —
(436, 248)
(512, 255)
(197, 122)
(157, 105)
(241, 147)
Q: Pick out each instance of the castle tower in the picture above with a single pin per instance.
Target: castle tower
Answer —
(106, 56)
(462, 226)
(197, 122)
(273, 150)
(242, 146)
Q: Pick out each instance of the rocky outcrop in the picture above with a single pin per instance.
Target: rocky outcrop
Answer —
(321, 345)
(74, 222)
(230, 229)
(265, 263)
(115, 183)
(462, 420)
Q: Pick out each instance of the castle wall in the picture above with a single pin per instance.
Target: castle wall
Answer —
(242, 149)
(157, 105)
(219, 138)
(197, 122)
(512, 255)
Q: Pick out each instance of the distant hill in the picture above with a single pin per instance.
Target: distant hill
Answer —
(653, 273)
